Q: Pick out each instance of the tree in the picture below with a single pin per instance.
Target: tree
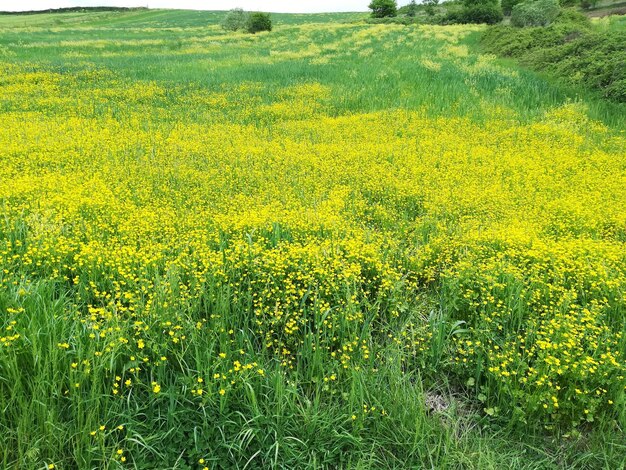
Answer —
(383, 8)
(411, 10)
(430, 6)
(259, 22)
(507, 6)
(235, 20)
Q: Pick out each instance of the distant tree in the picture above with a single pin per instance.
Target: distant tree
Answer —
(235, 20)
(411, 9)
(383, 8)
(430, 6)
(507, 6)
(259, 22)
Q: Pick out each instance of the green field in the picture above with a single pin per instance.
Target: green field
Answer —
(334, 245)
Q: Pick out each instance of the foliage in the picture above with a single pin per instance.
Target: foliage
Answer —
(588, 4)
(474, 12)
(411, 10)
(235, 20)
(475, 3)
(488, 14)
(507, 6)
(535, 13)
(383, 8)
(430, 6)
(571, 50)
(258, 22)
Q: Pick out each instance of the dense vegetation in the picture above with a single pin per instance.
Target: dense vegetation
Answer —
(335, 245)
(571, 48)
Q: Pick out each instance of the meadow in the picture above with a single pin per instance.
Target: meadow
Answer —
(335, 245)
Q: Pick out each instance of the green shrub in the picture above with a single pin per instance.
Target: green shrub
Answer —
(259, 22)
(475, 11)
(588, 4)
(507, 6)
(235, 20)
(535, 13)
(569, 16)
(452, 17)
(383, 8)
(485, 13)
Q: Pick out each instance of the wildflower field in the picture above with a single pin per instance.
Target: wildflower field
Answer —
(335, 245)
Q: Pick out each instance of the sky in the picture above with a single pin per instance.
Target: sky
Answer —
(284, 6)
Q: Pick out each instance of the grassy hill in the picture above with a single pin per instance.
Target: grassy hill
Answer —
(335, 245)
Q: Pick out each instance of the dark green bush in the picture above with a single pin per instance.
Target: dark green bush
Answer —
(452, 17)
(507, 6)
(475, 11)
(535, 13)
(487, 13)
(259, 22)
